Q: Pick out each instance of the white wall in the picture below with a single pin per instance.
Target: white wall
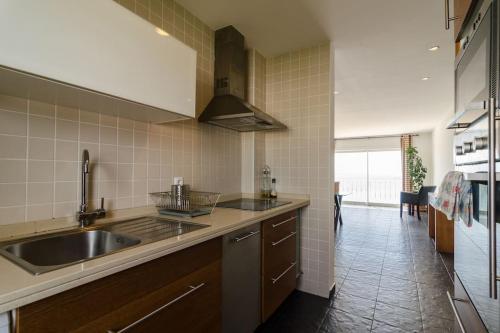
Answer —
(442, 143)
(423, 143)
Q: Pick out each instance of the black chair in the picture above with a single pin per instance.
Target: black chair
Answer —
(418, 199)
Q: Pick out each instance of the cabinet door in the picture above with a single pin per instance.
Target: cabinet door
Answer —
(116, 301)
(189, 305)
(460, 11)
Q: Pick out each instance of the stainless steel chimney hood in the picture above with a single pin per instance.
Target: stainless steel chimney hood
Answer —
(228, 108)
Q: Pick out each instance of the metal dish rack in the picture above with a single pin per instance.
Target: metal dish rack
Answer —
(193, 203)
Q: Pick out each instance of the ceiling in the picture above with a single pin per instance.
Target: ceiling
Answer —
(381, 54)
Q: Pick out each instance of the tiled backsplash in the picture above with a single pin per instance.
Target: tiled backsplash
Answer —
(41, 144)
(299, 93)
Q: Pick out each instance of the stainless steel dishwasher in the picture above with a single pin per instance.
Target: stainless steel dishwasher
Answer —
(241, 280)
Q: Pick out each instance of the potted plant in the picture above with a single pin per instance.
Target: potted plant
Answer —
(416, 169)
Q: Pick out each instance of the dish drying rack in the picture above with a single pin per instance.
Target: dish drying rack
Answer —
(191, 204)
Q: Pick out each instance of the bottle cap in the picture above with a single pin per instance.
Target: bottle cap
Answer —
(273, 180)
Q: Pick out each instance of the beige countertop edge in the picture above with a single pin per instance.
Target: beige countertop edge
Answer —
(33, 288)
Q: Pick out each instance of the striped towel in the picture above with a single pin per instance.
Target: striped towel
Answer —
(454, 197)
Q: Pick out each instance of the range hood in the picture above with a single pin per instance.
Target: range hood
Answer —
(228, 108)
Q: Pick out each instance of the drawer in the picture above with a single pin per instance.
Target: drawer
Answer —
(90, 303)
(466, 311)
(278, 257)
(190, 304)
(279, 227)
(276, 289)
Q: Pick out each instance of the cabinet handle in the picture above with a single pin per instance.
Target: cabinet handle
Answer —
(454, 308)
(276, 279)
(283, 222)
(447, 18)
(492, 183)
(245, 236)
(283, 239)
(191, 290)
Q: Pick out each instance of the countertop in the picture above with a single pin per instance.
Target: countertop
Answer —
(18, 287)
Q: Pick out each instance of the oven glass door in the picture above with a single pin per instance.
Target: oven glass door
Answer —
(472, 88)
(472, 256)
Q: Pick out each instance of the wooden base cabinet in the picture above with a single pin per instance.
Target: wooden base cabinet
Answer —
(279, 261)
(180, 292)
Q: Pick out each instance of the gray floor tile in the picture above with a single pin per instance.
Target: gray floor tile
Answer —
(339, 321)
(399, 317)
(361, 307)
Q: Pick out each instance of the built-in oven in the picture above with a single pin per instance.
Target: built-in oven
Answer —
(477, 155)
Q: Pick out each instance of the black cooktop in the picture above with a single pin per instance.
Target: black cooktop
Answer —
(252, 204)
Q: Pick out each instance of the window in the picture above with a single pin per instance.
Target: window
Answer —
(369, 177)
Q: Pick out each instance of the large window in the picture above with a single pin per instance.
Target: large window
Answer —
(372, 177)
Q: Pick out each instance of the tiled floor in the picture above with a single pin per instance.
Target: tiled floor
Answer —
(389, 279)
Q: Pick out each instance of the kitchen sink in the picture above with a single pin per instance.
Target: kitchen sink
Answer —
(46, 253)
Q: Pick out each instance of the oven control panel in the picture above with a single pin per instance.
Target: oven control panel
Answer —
(471, 145)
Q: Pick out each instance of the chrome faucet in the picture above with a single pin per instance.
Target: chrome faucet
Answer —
(83, 216)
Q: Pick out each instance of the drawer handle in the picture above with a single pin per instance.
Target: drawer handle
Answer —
(283, 239)
(276, 279)
(283, 222)
(191, 290)
(455, 311)
(245, 236)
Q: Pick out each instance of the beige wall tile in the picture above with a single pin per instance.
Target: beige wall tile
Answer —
(89, 133)
(12, 195)
(42, 109)
(39, 212)
(110, 121)
(41, 149)
(12, 171)
(40, 171)
(65, 191)
(66, 171)
(10, 215)
(66, 130)
(89, 117)
(67, 113)
(40, 193)
(125, 137)
(66, 150)
(41, 127)
(13, 123)
(108, 135)
(12, 147)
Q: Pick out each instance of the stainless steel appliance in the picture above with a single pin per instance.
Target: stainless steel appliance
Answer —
(252, 204)
(228, 107)
(477, 154)
(241, 280)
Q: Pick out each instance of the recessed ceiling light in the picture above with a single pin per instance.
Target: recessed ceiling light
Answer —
(434, 48)
(161, 32)
(425, 78)
(336, 92)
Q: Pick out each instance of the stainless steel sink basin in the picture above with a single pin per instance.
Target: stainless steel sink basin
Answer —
(46, 253)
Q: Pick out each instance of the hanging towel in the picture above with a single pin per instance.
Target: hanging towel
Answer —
(454, 197)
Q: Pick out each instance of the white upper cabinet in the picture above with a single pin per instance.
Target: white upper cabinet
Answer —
(101, 47)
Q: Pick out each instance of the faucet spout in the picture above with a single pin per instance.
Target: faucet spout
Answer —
(85, 181)
(83, 216)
